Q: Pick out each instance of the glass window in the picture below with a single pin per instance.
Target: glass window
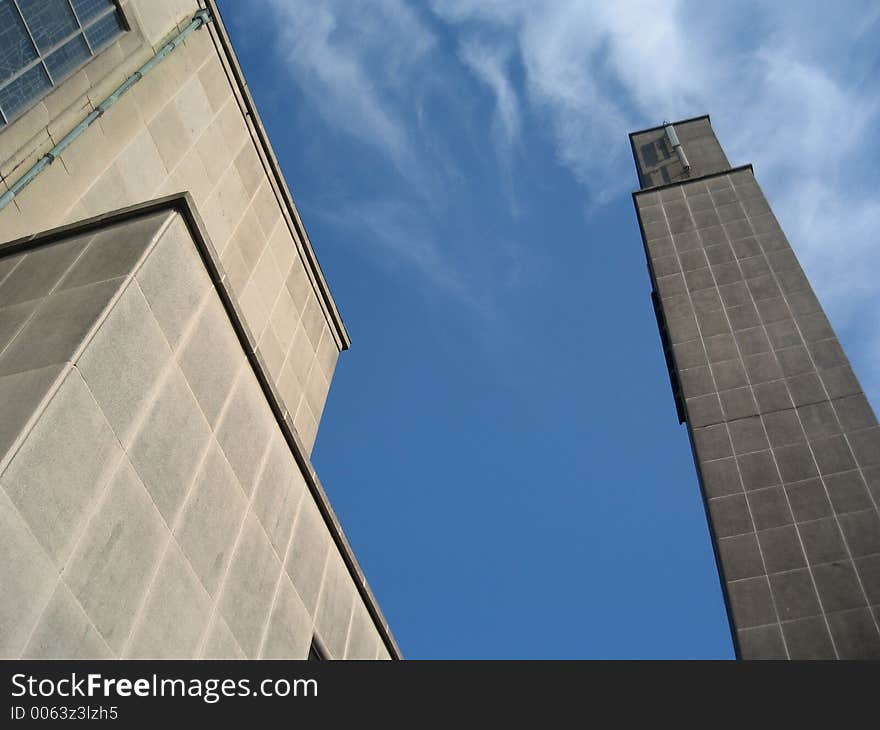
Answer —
(42, 42)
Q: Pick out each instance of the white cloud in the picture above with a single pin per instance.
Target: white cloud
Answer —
(355, 60)
(786, 88)
(791, 87)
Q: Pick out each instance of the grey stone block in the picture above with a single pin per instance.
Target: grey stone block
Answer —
(27, 577)
(247, 593)
(211, 519)
(808, 500)
(855, 634)
(866, 446)
(762, 368)
(245, 428)
(840, 382)
(822, 540)
(721, 478)
(783, 428)
(758, 470)
(220, 643)
(40, 269)
(21, 395)
(309, 548)
(13, 318)
(362, 637)
(289, 634)
(735, 294)
(750, 602)
(690, 354)
(65, 632)
(713, 323)
(783, 333)
(279, 491)
(795, 462)
(720, 253)
(174, 281)
(169, 445)
(838, 586)
(815, 327)
(753, 266)
(868, 569)
(729, 374)
(727, 273)
(54, 498)
(706, 300)
(781, 548)
(175, 615)
(794, 360)
(803, 302)
(740, 557)
(712, 442)
(752, 341)
(832, 454)
(211, 358)
(862, 532)
(761, 642)
(794, 595)
(115, 251)
(772, 396)
(743, 317)
(848, 492)
(58, 328)
(111, 568)
(738, 403)
(693, 260)
(699, 279)
(806, 389)
(828, 354)
(335, 606)
(721, 347)
(769, 508)
(808, 638)
(696, 381)
(730, 516)
(854, 412)
(124, 361)
(746, 248)
(747, 435)
(773, 310)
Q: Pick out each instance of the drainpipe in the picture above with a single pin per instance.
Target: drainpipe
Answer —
(200, 19)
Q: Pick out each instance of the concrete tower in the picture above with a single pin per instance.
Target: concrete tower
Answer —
(786, 445)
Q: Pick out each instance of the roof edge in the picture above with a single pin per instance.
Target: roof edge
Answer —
(225, 45)
(708, 175)
(680, 121)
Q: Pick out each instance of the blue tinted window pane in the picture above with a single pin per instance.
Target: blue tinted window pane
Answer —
(88, 9)
(18, 95)
(49, 21)
(103, 31)
(67, 58)
(16, 49)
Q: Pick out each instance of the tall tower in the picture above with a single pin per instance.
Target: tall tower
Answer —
(787, 447)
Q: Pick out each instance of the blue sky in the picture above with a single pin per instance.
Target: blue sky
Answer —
(500, 442)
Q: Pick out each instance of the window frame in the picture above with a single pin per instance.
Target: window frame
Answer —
(114, 9)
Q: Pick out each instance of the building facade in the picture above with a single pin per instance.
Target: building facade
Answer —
(167, 342)
(786, 445)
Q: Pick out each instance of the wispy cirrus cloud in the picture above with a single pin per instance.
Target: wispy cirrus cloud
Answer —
(791, 87)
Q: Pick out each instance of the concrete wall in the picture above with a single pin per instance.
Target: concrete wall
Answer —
(184, 128)
(150, 505)
(787, 445)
